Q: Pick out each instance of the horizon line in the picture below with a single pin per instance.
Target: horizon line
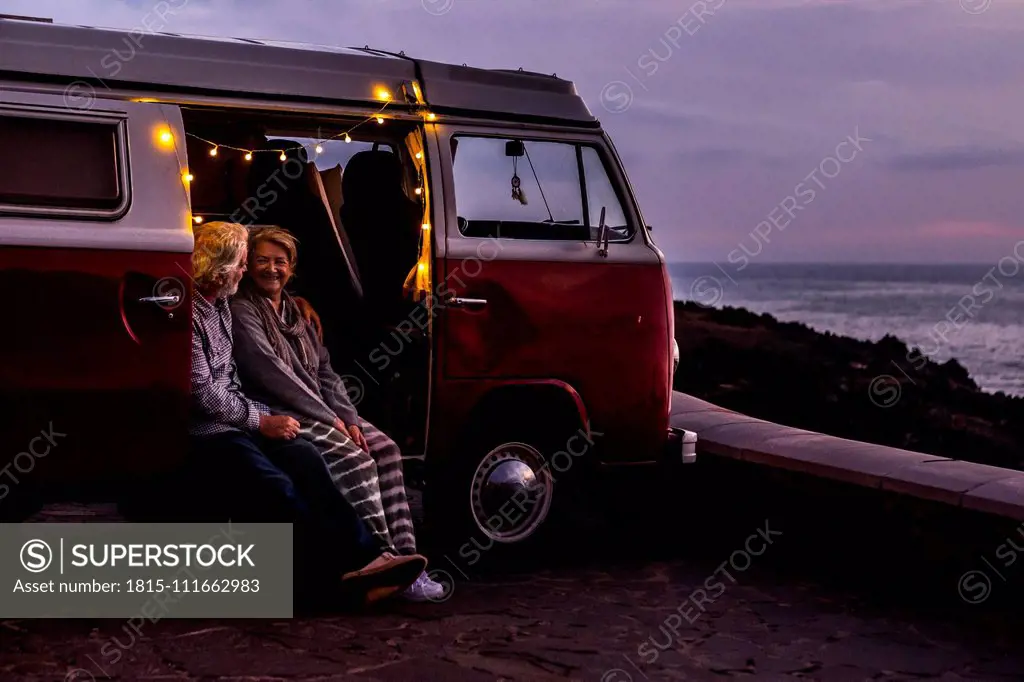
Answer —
(834, 262)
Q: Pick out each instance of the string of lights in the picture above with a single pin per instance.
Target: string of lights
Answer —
(215, 147)
(166, 138)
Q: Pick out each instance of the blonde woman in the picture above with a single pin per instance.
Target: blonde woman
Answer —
(284, 363)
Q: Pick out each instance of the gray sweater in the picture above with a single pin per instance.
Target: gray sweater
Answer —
(286, 387)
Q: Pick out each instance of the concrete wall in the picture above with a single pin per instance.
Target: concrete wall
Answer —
(915, 526)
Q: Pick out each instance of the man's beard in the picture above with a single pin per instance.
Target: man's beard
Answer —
(230, 289)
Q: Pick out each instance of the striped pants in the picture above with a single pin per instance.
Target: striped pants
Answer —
(372, 482)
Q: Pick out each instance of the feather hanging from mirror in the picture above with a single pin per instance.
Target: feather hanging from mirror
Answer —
(517, 190)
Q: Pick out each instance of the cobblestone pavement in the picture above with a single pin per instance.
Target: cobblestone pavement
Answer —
(593, 619)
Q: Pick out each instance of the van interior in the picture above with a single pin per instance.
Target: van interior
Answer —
(353, 193)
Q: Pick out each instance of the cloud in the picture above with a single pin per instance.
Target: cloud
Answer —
(763, 83)
(707, 156)
(958, 159)
(969, 229)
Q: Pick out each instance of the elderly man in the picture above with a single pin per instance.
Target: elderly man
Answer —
(251, 465)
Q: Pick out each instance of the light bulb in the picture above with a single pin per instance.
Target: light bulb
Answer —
(425, 226)
(319, 149)
(213, 152)
(248, 156)
(383, 94)
(166, 137)
(198, 219)
(347, 138)
(380, 119)
(419, 190)
(419, 155)
(431, 116)
(283, 157)
(188, 177)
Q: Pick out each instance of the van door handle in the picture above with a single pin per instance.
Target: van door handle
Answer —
(469, 302)
(458, 302)
(160, 300)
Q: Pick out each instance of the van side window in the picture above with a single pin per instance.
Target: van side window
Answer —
(600, 193)
(532, 189)
(55, 163)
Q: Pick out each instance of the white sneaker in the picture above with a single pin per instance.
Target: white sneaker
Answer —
(425, 589)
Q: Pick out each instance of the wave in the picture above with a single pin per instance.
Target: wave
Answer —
(988, 339)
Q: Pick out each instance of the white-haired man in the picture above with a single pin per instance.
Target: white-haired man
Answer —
(251, 464)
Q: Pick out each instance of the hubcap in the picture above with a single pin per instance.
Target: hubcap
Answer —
(511, 493)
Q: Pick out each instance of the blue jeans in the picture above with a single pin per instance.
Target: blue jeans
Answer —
(249, 478)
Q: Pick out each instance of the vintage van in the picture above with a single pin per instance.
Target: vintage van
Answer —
(468, 238)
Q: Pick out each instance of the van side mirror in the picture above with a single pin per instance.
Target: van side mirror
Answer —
(515, 148)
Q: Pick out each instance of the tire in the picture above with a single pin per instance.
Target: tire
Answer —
(499, 495)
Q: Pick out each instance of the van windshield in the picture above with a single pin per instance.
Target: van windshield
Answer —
(533, 189)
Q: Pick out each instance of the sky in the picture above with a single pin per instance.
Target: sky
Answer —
(793, 130)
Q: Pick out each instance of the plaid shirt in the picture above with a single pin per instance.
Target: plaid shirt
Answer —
(218, 404)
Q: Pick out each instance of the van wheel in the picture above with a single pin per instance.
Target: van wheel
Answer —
(496, 496)
(510, 493)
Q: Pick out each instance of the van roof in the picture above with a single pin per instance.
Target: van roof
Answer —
(243, 67)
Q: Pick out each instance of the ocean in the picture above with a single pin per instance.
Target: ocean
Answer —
(974, 313)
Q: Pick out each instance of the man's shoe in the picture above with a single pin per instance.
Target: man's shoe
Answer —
(385, 576)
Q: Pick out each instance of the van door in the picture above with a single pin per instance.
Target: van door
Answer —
(95, 244)
(534, 296)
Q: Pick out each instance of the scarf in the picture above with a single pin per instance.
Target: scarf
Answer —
(287, 331)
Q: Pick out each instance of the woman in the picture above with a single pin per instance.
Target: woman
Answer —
(284, 365)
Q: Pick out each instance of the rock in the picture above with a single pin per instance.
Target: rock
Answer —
(790, 374)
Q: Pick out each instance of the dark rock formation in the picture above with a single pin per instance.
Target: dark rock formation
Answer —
(878, 392)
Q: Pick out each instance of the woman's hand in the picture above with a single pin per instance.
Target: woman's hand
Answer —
(352, 432)
(358, 437)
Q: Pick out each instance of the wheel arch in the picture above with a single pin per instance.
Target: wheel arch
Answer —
(553, 400)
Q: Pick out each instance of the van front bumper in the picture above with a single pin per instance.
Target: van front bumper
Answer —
(681, 446)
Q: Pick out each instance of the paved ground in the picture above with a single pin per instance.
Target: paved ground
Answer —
(584, 618)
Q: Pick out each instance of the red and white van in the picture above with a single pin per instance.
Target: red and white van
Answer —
(468, 238)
